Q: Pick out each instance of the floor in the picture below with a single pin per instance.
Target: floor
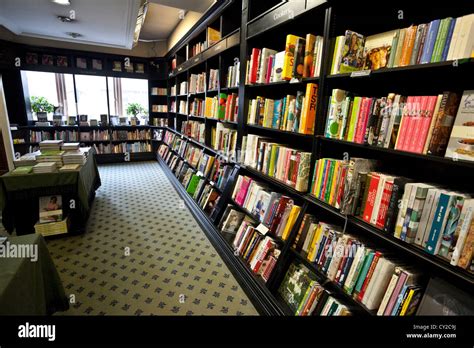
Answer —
(144, 253)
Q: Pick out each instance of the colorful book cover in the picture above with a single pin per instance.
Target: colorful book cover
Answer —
(308, 54)
(298, 64)
(288, 61)
(353, 52)
(378, 49)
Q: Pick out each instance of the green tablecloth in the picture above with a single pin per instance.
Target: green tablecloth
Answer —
(30, 287)
(19, 195)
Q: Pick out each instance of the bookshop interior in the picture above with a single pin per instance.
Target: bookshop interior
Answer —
(236, 158)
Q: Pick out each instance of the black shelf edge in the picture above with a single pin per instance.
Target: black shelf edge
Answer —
(279, 131)
(332, 286)
(212, 90)
(130, 141)
(415, 67)
(274, 181)
(284, 83)
(255, 288)
(423, 157)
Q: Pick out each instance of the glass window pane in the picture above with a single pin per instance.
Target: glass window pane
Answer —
(91, 96)
(41, 84)
(134, 91)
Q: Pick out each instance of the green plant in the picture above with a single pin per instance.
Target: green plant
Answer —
(41, 104)
(135, 109)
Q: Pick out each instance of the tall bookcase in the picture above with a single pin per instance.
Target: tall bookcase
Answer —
(266, 24)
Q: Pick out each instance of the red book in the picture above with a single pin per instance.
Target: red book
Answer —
(343, 261)
(270, 265)
(263, 255)
(294, 173)
(363, 119)
(369, 205)
(284, 200)
(269, 68)
(415, 112)
(377, 255)
(404, 124)
(287, 160)
(341, 185)
(236, 109)
(416, 124)
(425, 123)
(382, 214)
(255, 57)
(244, 186)
(228, 107)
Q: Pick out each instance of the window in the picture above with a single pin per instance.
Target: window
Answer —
(57, 89)
(123, 91)
(91, 96)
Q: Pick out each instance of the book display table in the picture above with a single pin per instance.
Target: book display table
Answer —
(33, 277)
(19, 196)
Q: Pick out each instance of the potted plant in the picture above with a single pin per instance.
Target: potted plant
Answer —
(41, 106)
(134, 109)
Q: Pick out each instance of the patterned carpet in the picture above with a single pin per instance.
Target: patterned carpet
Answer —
(144, 253)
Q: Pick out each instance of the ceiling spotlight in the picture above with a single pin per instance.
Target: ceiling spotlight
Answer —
(62, 2)
(74, 35)
(66, 19)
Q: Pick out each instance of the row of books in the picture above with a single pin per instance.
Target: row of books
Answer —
(257, 249)
(38, 136)
(131, 135)
(158, 91)
(223, 107)
(173, 106)
(276, 212)
(183, 107)
(213, 79)
(173, 91)
(183, 88)
(420, 214)
(372, 277)
(283, 163)
(160, 122)
(94, 135)
(224, 138)
(159, 108)
(196, 108)
(233, 75)
(420, 124)
(440, 40)
(131, 148)
(197, 83)
(306, 296)
(195, 130)
(301, 59)
(291, 113)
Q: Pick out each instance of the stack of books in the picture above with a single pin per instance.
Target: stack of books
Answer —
(45, 167)
(55, 156)
(70, 147)
(69, 167)
(22, 170)
(28, 159)
(51, 145)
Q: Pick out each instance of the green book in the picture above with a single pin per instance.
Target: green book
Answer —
(22, 170)
(363, 273)
(306, 297)
(354, 117)
(193, 184)
(273, 158)
(221, 108)
(327, 193)
(441, 40)
(393, 50)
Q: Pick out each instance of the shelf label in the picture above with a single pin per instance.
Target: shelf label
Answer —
(262, 229)
(361, 73)
(181, 68)
(200, 174)
(212, 183)
(13, 128)
(196, 60)
(217, 48)
(294, 80)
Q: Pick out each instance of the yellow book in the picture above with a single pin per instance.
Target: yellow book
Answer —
(312, 246)
(334, 182)
(289, 99)
(213, 137)
(208, 107)
(294, 213)
(289, 58)
(308, 115)
(407, 302)
(320, 176)
(308, 54)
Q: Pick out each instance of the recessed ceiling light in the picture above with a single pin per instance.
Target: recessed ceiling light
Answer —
(62, 2)
(66, 19)
(73, 35)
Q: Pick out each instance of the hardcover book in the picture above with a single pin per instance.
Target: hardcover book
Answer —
(378, 49)
(353, 52)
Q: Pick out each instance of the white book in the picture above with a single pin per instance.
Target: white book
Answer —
(403, 209)
(309, 236)
(237, 187)
(389, 291)
(465, 40)
(262, 70)
(337, 257)
(380, 285)
(377, 272)
(425, 214)
(278, 66)
(358, 257)
(463, 228)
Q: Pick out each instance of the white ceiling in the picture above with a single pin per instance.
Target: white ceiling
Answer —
(164, 15)
(104, 23)
(100, 22)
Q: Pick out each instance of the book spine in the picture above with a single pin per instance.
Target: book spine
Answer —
(449, 36)
(439, 221)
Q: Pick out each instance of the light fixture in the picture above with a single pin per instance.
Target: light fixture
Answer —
(140, 21)
(73, 35)
(62, 2)
(66, 19)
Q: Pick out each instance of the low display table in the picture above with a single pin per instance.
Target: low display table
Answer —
(19, 196)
